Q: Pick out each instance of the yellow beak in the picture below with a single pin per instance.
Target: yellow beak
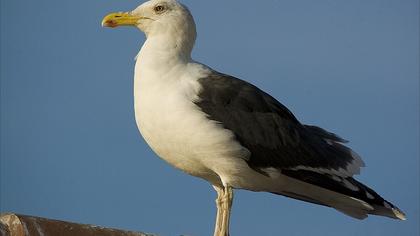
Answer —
(120, 18)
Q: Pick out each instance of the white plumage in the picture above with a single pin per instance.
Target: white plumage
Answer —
(191, 117)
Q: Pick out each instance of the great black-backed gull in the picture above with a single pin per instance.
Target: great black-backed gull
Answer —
(229, 132)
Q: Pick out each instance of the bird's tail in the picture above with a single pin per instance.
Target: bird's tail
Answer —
(345, 194)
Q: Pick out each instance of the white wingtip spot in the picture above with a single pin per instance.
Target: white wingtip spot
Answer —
(336, 178)
(399, 214)
(368, 195)
(350, 185)
(329, 141)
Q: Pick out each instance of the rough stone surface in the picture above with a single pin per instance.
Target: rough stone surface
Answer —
(21, 225)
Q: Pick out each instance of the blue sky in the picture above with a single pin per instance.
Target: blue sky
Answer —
(70, 148)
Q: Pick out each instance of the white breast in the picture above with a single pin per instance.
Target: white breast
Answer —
(174, 126)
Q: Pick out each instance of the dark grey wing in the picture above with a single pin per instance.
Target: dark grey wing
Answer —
(269, 130)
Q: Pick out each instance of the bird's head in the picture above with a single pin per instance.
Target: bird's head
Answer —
(156, 17)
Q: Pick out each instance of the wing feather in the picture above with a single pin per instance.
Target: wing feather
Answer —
(272, 134)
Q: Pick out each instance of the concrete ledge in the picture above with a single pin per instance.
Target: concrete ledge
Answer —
(21, 225)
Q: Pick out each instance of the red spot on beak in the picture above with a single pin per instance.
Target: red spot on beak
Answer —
(111, 23)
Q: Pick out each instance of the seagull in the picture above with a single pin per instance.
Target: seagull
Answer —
(229, 132)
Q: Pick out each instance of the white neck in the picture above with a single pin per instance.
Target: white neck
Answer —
(162, 50)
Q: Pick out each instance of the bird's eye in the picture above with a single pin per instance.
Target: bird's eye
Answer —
(160, 8)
